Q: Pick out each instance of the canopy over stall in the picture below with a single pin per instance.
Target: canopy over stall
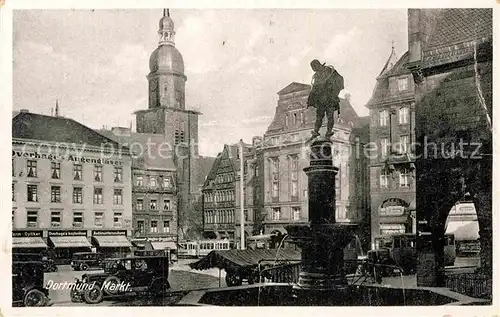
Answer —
(224, 259)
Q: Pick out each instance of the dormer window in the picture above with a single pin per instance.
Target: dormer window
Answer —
(403, 84)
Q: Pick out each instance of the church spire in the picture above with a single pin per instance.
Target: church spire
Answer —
(57, 108)
(166, 29)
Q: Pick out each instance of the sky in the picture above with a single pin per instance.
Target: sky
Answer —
(95, 62)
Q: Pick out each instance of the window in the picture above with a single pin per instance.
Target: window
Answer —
(402, 84)
(13, 168)
(32, 170)
(384, 178)
(152, 181)
(404, 144)
(55, 168)
(294, 137)
(98, 195)
(154, 204)
(139, 205)
(118, 174)
(55, 219)
(403, 115)
(99, 219)
(256, 170)
(140, 226)
(55, 194)
(117, 197)
(275, 140)
(276, 213)
(167, 183)
(32, 218)
(117, 219)
(275, 165)
(295, 188)
(154, 226)
(13, 192)
(404, 177)
(276, 189)
(384, 118)
(384, 146)
(139, 180)
(294, 121)
(296, 213)
(245, 214)
(77, 195)
(33, 193)
(166, 226)
(166, 204)
(77, 219)
(98, 173)
(286, 121)
(77, 172)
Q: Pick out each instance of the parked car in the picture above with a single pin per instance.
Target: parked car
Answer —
(138, 275)
(83, 261)
(27, 284)
(49, 264)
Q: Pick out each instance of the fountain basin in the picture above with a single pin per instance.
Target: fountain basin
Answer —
(278, 294)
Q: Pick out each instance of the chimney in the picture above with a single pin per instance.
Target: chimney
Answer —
(421, 23)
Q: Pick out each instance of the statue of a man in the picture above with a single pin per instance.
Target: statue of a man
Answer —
(324, 95)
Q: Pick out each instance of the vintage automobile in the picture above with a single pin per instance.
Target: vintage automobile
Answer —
(27, 284)
(82, 261)
(49, 264)
(129, 275)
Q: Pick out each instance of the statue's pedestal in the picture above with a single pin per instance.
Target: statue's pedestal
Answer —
(323, 240)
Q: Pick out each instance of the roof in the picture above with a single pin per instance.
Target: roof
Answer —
(231, 152)
(381, 91)
(240, 258)
(205, 165)
(460, 25)
(453, 29)
(294, 87)
(142, 144)
(27, 125)
(391, 61)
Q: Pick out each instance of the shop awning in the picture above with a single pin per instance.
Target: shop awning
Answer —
(70, 242)
(463, 230)
(162, 245)
(28, 242)
(113, 241)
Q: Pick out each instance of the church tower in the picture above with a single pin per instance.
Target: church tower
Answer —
(167, 114)
(166, 78)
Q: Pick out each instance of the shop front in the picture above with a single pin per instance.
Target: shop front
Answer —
(112, 243)
(394, 217)
(164, 245)
(65, 243)
(28, 242)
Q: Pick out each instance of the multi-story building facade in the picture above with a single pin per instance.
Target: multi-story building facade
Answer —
(71, 187)
(392, 168)
(154, 188)
(283, 154)
(221, 194)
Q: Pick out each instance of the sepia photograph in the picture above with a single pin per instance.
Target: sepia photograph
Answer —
(251, 157)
